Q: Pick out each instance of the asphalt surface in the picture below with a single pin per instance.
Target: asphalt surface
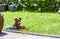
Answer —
(11, 35)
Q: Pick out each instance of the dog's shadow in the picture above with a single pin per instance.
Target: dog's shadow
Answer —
(3, 34)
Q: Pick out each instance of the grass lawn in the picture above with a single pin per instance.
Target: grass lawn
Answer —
(46, 23)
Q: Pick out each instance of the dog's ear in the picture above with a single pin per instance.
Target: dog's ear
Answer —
(15, 19)
(19, 18)
(1, 14)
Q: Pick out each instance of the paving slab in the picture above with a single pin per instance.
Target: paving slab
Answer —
(11, 35)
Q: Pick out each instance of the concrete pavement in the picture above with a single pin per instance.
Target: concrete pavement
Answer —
(10, 35)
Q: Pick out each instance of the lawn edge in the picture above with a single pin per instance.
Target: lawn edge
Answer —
(45, 35)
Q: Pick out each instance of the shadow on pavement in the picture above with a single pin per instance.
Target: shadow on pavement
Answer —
(2, 34)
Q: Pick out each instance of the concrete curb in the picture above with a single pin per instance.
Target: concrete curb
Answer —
(45, 35)
(37, 34)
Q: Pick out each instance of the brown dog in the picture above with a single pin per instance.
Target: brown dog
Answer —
(1, 22)
(17, 24)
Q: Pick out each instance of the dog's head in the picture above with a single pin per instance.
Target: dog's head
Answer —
(17, 20)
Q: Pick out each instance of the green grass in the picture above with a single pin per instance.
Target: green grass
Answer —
(45, 23)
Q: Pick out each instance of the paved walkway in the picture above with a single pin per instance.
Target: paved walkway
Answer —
(10, 35)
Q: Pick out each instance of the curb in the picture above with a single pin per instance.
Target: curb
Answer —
(45, 35)
(31, 33)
